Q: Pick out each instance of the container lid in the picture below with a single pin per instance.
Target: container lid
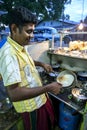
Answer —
(82, 73)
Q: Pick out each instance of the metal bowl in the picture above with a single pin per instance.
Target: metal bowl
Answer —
(78, 95)
(53, 74)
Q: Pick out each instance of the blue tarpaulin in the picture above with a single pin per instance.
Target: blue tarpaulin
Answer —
(2, 42)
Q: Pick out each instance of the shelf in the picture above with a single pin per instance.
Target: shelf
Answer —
(69, 62)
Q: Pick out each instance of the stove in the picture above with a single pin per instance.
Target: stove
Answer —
(66, 93)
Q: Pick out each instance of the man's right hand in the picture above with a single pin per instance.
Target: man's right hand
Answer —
(54, 88)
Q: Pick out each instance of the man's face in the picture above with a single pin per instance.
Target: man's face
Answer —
(24, 35)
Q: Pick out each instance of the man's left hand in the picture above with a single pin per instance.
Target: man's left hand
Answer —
(47, 67)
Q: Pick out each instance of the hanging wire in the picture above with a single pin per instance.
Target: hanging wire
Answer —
(82, 10)
(81, 25)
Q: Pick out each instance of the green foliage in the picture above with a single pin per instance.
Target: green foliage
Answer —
(50, 9)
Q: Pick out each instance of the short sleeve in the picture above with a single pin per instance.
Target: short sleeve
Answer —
(9, 69)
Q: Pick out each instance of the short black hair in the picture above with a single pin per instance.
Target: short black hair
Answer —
(21, 16)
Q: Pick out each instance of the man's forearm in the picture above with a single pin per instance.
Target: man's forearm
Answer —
(23, 93)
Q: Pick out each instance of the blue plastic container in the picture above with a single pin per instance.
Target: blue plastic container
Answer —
(68, 121)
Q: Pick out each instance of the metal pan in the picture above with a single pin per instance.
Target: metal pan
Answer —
(70, 80)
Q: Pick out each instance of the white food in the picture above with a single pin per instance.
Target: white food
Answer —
(66, 80)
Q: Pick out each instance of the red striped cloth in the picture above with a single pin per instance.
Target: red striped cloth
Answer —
(41, 119)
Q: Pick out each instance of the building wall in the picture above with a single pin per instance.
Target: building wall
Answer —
(58, 24)
(38, 51)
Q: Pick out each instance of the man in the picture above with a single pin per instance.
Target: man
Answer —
(21, 77)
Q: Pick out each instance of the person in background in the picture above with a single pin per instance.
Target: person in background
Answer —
(20, 76)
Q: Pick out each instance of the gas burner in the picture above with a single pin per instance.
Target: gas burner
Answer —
(84, 84)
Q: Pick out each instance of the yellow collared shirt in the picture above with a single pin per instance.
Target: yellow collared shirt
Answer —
(16, 66)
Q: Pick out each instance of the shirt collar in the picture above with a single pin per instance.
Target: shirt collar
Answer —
(15, 44)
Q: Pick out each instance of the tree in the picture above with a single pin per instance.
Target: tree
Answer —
(45, 9)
